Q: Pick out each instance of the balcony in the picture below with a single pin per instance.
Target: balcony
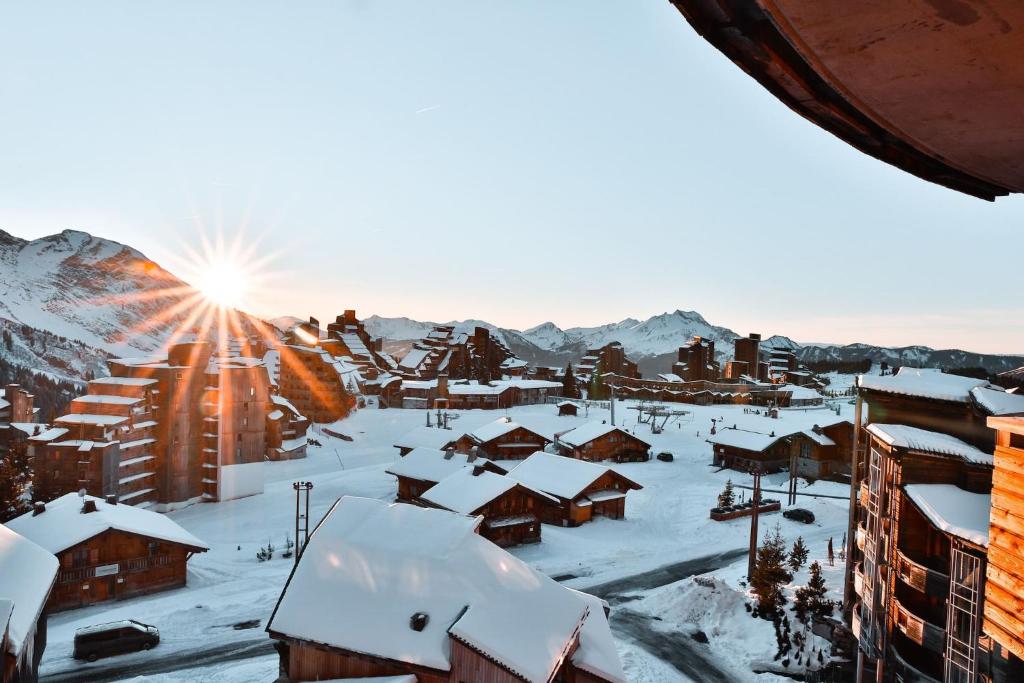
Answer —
(858, 582)
(906, 671)
(864, 494)
(926, 634)
(920, 577)
(862, 535)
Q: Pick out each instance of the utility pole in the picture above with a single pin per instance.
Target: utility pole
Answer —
(752, 557)
(612, 387)
(302, 489)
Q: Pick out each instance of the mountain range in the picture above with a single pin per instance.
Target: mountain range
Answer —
(68, 301)
(653, 343)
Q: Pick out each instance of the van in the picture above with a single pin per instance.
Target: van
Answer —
(115, 638)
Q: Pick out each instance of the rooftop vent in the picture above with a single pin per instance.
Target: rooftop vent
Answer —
(478, 470)
(449, 453)
(111, 499)
(419, 621)
(88, 506)
(38, 509)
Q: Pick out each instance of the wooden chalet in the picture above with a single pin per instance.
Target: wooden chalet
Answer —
(584, 490)
(426, 437)
(597, 441)
(27, 573)
(568, 409)
(107, 551)
(814, 453)
(502, 439)
(910, 570)
(1004, 588)
(421, 468)
(511, 510)
(933, 400)
(416, 591)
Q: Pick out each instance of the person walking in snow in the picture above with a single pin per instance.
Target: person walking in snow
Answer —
(831, 555)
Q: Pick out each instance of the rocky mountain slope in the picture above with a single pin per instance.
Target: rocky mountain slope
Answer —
(99, 292)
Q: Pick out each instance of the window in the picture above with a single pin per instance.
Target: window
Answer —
(805, 450)
(80, 558)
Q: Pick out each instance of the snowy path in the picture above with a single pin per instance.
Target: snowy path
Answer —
(677, 649)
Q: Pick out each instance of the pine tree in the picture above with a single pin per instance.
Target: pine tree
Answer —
(726, 497)
(811, 600)
(798, 555)
(15, 477)
(569, 387)
(770, 574)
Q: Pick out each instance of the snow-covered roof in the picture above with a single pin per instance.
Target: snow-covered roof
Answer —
(597, 653)
(590, 431)
(467, 490)
(431, 464)
(414, 358)
(953, 510)
(63, 525)
(820, 439)
(557, 474)
(924, 383)
(670, 377)
(799, 393)
(107, 399)
(744, 440)
(125, 381)
(285, 403)
(427, 437)
(89, 419)
(998, 402)
(387, 562)
(563, 404)
(903, 436)
(48, 434)
(514, 363)
(500, 427)
(27, 572)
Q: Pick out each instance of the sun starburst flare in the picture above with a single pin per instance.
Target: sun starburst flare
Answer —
(227, 279)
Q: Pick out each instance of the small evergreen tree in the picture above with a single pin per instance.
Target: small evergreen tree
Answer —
(811, 600)
(15, 478)
(798, 555)
(726, 497)
(770, 574)
(569, 387)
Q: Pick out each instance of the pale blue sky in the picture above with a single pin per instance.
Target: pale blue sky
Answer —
(580, 161)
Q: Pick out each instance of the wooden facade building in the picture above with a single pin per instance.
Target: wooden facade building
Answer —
(502, 439)
(474, 613)
(107, 551)
(1004, 589)
(510, 510)
(27, 574)
(597, 441)
(422, 468)
(583, 490)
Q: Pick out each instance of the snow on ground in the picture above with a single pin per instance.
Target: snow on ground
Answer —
(666, 522)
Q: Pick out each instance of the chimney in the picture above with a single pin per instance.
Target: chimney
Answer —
(449, 453)
(38, 509)
(478, 470)
(88, 506)
(419, 621)
(111, 499)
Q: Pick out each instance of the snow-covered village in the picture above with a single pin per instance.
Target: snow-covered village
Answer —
(648, 342)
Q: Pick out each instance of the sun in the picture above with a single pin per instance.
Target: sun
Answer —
(223, 283)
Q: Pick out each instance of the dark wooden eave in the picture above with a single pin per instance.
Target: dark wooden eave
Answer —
(790, 48)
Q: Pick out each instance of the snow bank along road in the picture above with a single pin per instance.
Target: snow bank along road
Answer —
(665, 529)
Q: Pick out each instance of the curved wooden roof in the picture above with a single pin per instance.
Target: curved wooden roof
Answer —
(934, 87)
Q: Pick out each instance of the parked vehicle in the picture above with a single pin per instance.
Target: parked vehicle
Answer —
(799, 515)
(665, 456)
(115, 638)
